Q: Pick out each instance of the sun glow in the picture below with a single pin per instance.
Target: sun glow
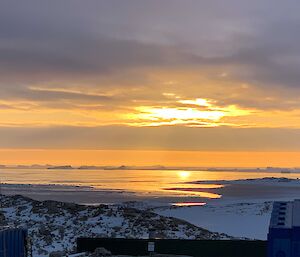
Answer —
(179, 114)
(190, 112)
(197, 101)
(183, 174)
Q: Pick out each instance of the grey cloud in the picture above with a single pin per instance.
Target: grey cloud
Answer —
(158, 138)
(71, 41)
(26, 93)
(99, 36)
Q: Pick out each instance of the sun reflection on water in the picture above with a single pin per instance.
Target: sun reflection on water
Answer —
(187, 204)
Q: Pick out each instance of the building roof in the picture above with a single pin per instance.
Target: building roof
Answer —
(285, 214)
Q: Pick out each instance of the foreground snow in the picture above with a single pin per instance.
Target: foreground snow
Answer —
(267, 181)
(249, 220)
(55, 225)
(244, 208)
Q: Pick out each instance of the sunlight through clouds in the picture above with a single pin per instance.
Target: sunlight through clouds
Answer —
(192, 112)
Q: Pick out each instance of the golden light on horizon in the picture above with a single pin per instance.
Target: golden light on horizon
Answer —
(146, 158)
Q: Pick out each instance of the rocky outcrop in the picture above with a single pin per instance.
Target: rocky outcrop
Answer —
(54, 226)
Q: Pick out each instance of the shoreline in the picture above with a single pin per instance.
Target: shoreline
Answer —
(243, 202)
(207, 191)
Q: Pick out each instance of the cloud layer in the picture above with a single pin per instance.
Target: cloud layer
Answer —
(128, 63)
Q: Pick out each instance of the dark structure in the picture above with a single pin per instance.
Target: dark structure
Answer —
(196, 248)
(284, 230)
(13, 242)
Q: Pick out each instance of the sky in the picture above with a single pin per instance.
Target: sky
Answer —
(192, 77)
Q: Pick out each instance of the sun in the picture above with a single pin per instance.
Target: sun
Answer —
(184, 174)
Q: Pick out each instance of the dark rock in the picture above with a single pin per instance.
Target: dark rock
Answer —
(101, 252)
(57, 254)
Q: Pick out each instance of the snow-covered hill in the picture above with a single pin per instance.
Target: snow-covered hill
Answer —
(55, 225)
(235, 219)
(266, 181)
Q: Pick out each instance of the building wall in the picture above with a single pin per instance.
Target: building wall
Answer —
(197, 248)
(13, 243)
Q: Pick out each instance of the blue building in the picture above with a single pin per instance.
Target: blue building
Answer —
(284, 230)
(13, 242)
